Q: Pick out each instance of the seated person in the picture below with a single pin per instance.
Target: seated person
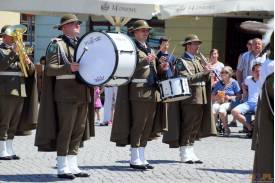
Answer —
(225, 93)
(251, 88)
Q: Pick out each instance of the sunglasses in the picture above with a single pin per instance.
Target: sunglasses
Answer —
(223, 72)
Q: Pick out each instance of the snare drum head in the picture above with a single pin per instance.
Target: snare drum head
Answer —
(98, 63)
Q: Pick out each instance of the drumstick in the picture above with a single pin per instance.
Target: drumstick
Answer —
(172, 52)
(84, 50)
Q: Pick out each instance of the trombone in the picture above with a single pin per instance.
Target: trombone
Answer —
(17, 31)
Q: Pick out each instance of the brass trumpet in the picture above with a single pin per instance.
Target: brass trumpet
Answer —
(17, 31)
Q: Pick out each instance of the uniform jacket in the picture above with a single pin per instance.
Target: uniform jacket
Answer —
(144, 70)
(19, 86)
(193, 70)
(68, 90)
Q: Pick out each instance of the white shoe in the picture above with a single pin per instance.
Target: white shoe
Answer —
(62, 165)
(10, 147)
(185, 155)
(73, 166)
(193, 155)
(3, 149)
(141, 151)
(135, 158)
(142, 158)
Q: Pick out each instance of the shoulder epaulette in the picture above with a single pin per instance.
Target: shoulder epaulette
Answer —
(56, 39)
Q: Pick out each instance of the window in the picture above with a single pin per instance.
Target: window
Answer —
(28, 36)
(155, 34)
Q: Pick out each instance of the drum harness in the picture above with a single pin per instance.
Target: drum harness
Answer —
(151, 66)
(202, 83)
(65, 59)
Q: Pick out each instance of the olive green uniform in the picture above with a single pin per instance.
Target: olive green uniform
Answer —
(70, 97)
(263, 135)
(143, 99)
(13, 91)
(191, 110)
(138, 115)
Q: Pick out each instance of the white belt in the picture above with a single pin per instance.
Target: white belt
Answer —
(198, 84)
(139, 80)
(11, 73)
(69, 76)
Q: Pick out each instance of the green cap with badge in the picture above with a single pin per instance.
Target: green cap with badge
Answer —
(140, 24)
(191, 38)
(68, 18)
(3, 30)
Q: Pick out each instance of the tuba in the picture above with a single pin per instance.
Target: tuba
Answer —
(17, 31)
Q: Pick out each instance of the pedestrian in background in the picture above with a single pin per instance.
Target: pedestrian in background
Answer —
(109, 105)
(97, 102)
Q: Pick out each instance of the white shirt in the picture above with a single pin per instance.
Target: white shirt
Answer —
(266, 69)
(247, 61)
(190, 55)
(143, 44)
(254, 88)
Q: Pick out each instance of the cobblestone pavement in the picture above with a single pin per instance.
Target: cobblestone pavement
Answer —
(226, 160)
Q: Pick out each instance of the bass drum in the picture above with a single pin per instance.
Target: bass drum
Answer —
(107, 59)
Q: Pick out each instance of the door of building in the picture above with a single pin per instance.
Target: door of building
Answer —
(236, 40)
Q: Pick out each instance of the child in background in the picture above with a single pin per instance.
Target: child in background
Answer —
(97, 102)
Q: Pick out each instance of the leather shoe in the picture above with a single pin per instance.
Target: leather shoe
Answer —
(66, 176)
(82, 174)
(148, 166)
(189, 162)
(104, 124)
(198, 162)
(14, 157)
(139, 167)
(6, 158)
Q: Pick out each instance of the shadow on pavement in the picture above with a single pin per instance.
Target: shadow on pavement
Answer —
(232, 171)
(127, 167)
(30, 178)
(234, 135)
(153, 161)
(111, 168)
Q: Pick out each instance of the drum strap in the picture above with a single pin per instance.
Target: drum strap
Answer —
(185, 65)
(69, 54)
(63, 55)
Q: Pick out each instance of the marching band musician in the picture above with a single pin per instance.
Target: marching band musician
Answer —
(169, 59)
(263, 132)
(62, 121)
(191, 117)
(138, 116)
(18, 94)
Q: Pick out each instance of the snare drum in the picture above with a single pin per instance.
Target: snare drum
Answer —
(107, 59)
(174, 89)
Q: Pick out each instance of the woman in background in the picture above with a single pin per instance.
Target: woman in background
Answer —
(225, 95)
(217, 65)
